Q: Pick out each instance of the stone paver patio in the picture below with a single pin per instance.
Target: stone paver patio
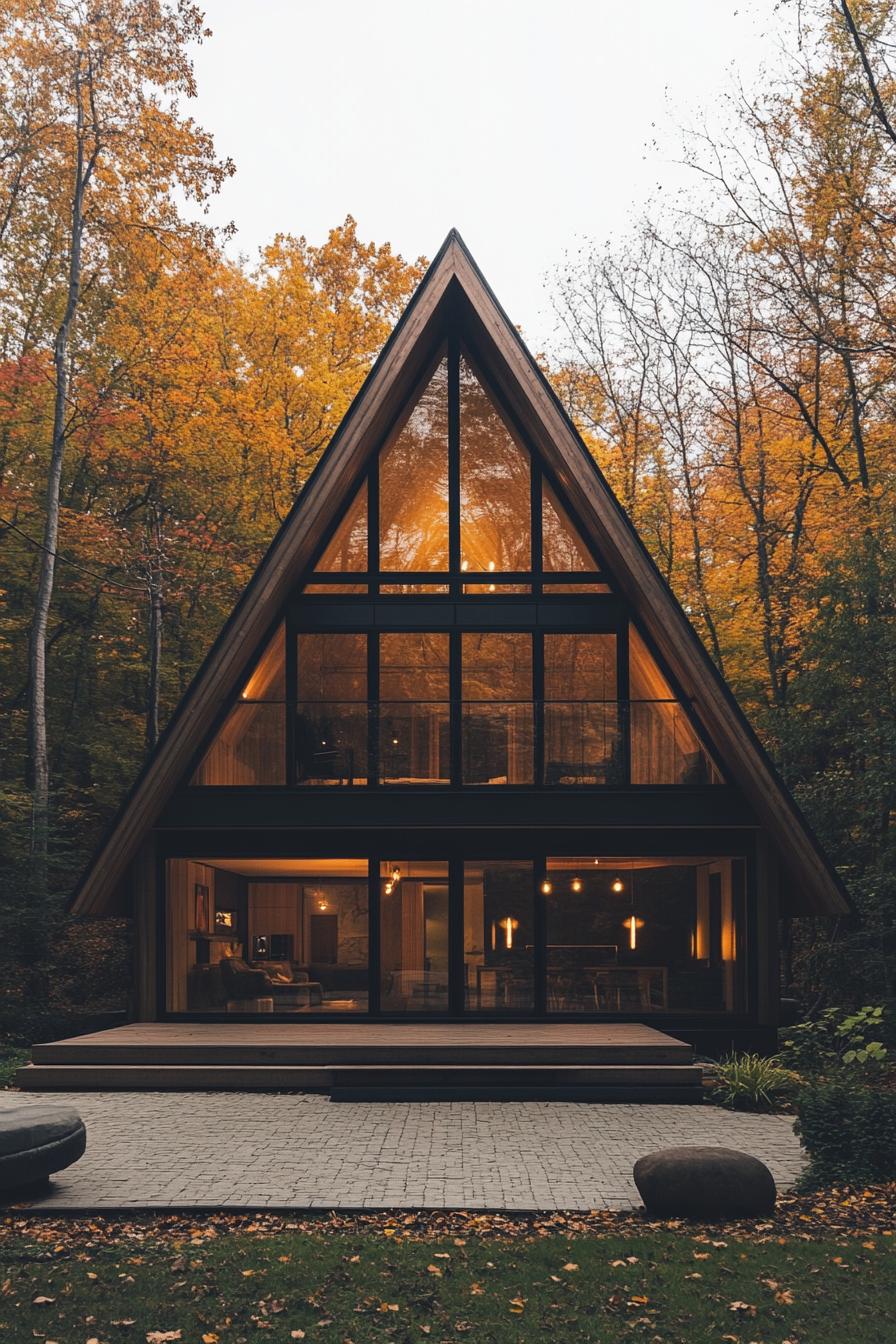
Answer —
(244, 1150)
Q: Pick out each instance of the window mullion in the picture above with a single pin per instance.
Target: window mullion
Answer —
(454, 464)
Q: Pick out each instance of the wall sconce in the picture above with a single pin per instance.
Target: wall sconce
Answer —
(618, 886)
(508, 927)
(322, 905)
(388, 888)
(576, 884)
(396, 874)
(546, 888)
(633, 924)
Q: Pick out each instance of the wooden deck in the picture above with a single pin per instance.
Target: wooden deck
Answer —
(366, 1060)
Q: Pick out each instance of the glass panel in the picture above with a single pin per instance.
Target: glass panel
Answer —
(285, 936)
(644, 935)
(497, 588)
(498, 936)
(575, 588)
(581, 715)
(331, 709)
(562, 547)
(664, 746)
(404, 588)
(495, 501)
(497, 708)
(250, 748)
(414, 485)
(328, 589)
(347, 549)
(415, 712)
(413, 937)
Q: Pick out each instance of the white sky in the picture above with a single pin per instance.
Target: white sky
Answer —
(527, 125)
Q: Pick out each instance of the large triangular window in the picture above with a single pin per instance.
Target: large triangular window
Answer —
(447, 505)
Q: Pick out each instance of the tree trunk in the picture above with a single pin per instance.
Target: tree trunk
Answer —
(38, 755)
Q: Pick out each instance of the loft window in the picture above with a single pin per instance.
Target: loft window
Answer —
(665, 748)
(413, 485)
(331, 709)
(495, 490)
(249, 747)
(399, 534)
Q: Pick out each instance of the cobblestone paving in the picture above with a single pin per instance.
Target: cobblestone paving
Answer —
(175, 1150)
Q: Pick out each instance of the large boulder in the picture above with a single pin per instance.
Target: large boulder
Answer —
(704, 1183)
(36, 1139)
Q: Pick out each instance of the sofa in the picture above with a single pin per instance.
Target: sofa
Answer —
(288, 986)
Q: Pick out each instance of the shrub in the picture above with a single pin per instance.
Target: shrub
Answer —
(837, 1040)
(752, 1083)
(848, 1132)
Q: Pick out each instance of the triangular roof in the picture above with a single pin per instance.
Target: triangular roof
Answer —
(454, 283)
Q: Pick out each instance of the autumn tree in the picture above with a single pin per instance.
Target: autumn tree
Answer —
(94, 100)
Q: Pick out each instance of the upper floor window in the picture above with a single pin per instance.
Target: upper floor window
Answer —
(463, 707)
(455, 503)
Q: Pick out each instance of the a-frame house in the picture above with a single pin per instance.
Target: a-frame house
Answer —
(458, 756)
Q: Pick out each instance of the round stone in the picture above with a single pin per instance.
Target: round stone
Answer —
(36, 1139)
(704, 1183)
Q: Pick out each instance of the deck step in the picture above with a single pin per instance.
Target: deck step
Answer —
(494, 1091)
(602, 1082)
(384, 1082)
(170, 1077)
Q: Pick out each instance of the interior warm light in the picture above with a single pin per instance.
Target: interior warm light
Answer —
(596, 862)
(547, 888)
(577, 884)
(618, 885)
(396, 874)
(465, 565)
(491, 566)
(633, 924)
(508, 926)
(388, 888)
(395, 741)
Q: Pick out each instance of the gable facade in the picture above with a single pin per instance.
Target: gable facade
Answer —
(458, 752)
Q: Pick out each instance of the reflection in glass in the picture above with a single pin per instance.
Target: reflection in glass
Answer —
(413, 476)
(414, 711)
(665, 748)
(643, 935)
(250, 747)
(581, 716)
(331, 709)
(562, 546)
(495, 502)
(413, 936)
(347, 549)
(498, 935)
(497, 718)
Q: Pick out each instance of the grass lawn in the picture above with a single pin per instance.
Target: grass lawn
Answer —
(207, 1284)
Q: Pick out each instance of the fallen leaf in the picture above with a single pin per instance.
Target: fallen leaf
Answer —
(517, 1304)
(570, 1268)
(434, 1269)
(162, 1336)
(42, 1301)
